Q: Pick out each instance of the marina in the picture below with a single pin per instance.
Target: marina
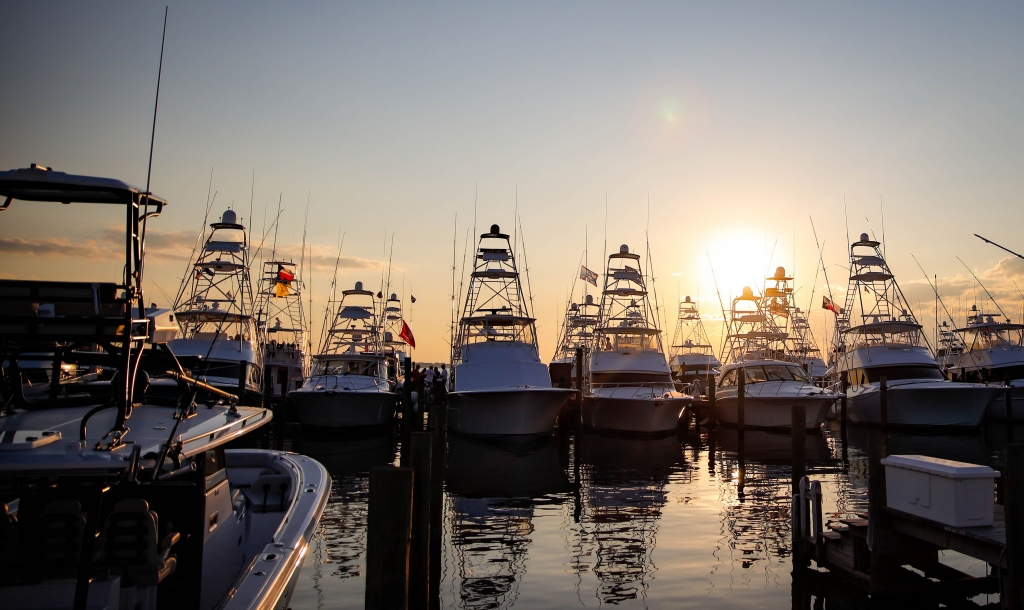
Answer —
(664, 356)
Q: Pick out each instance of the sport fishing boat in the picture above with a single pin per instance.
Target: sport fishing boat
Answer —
(992, 353)
(281, 317)
(500, 385)
(779, 303)
(576, 333)
(887, 343)
(131, 500)
(348, 385)
(395, 346)
(220, 342)
(773, 382)
(631, 387)
(691, 356)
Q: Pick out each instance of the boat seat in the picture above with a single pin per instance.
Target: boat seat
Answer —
(269, 492)
(61, 530)
(131, 533)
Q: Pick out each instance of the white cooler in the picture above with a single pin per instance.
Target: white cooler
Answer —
(952, 493)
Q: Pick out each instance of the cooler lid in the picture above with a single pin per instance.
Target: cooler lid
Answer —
(937, 466)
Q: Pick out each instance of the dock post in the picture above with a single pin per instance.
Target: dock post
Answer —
(883, 400)
(842, 420)
(1009, 413)
(407, 414)
(798, 434)
(877, 450)
(419, 551)
(438, 457)
(388, 537)
(741, 391)
(712, 415)
(1013, 509)
(579, 375)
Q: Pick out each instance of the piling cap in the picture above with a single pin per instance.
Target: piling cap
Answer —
(495, 229)
(865, 237)
(623, 249)
(359, 285)
(229, 217)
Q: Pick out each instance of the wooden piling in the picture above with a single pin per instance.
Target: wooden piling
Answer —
(437, 464)
(877, 450)
(798, 418)
(712, 415)
(579, 375)
(842, 420)
(883, 400)
(1013, 504)
(741, 392)
(419, 550)
(388, 538)
(1009, 413)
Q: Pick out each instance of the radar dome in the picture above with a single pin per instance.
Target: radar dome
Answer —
(590, 299)
(687, 300)
(495, 229)
(780, 272)
(359, 285)
(229, 217)
(864, 237)
(394, 297)
(747, 292)
(388, 337)
(623, 249)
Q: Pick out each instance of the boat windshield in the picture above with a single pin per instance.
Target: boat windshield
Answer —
(369, 368)
(984, 339)
(767, 372)
(894, 373)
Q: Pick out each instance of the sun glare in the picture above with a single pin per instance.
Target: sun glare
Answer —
(739, 258)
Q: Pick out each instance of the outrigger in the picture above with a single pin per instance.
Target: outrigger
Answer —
(126, 499)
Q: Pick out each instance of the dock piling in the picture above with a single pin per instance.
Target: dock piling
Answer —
(1013, 505)
(712, 415)
(883, 400)
(1009, 413)
(877, 450)
(419, 551)
(741, 391)
(388, 537)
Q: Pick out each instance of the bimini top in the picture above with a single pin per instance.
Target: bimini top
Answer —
(38, 183)
(990, 326)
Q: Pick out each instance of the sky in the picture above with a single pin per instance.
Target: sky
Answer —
(715, 132)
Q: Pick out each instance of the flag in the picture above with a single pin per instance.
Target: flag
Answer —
(406, 335)
(588, 276)
(829, 305)
(412, 298)
(281, 289)
(283, 275)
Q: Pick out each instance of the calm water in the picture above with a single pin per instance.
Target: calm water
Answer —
(592, 520)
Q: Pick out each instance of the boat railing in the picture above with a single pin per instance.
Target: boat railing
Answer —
(653, 388)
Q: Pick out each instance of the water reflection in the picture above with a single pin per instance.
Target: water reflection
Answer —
(623, 489)
(494, 487)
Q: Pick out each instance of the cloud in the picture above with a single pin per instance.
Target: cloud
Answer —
(54, 247)
(323, 258)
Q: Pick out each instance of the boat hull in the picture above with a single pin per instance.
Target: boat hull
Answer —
(642, 415)
(922, 404)
(343, 409)
(772, 412)
(520, 411)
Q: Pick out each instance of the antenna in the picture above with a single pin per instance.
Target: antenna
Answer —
(983, 288)
(720, 303)
(606, 234)
(140, 263)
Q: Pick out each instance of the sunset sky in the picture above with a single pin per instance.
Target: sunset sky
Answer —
(738, 122)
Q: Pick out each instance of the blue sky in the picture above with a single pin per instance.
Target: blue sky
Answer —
(737, 120)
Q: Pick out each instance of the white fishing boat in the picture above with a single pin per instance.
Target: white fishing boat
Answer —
(501, 387)
(773, 382)
(631, 387)
(887, 342)
(576, 333)
(779, 303)
(131, 500)
(281, 317)
(691, 356)
(220, 341)
(992, 352)
(348, 384)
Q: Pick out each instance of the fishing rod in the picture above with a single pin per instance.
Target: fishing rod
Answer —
(720, 303)
(989, 241)
(983, 288)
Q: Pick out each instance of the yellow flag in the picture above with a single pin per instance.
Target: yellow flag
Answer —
(281, 289)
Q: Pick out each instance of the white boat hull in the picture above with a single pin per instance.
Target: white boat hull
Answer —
(516, 411)
(643, 415)
(772, 412)
(935, 403)
(343, 408)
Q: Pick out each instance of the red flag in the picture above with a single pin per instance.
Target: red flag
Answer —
(406, 335)
(829, 305)
(283, 275)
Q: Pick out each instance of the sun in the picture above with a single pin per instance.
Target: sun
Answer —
(738, 258)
